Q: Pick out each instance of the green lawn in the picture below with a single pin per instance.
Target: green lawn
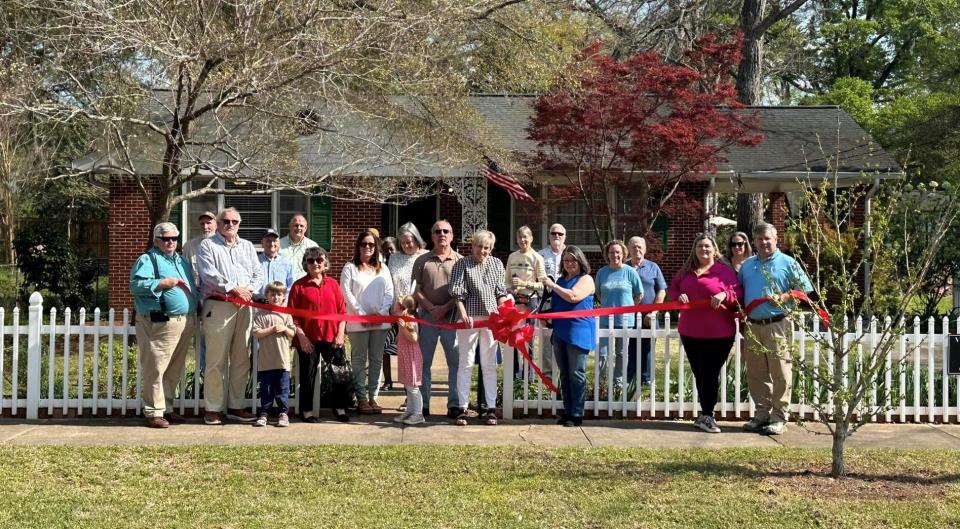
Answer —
(451, 486)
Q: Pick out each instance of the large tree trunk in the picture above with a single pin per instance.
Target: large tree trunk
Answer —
(749, 77)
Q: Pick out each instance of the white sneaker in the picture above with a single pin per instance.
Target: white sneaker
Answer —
(696, 423)
(283, 420)
(402, 417)
(261, 420)
(414, 419)
(775, 428)
(709, 424)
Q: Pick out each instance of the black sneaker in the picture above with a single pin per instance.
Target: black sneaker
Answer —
(452, 413)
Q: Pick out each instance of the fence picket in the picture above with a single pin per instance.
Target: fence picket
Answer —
(81, 351)
(51, 350)
(95, 382)
(3, 348)
(67, 335)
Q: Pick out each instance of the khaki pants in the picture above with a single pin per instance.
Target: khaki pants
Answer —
(163, 353)
(226, 328)
(770, 368)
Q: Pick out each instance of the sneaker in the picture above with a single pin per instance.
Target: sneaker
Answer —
(775, 428)
(696, 423)
(708, 424)
(237, 414)
(283, 421)
(414, 419)
(212, 418)
(755, 425)
(402, 417)
(261, 420)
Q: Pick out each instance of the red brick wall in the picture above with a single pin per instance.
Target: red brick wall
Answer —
(129, 229)
(776, 214)
(349, 219)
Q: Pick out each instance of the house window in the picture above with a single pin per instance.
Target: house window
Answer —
(258, 211)
(575, 217)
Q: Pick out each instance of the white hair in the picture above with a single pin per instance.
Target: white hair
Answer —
(164, 227)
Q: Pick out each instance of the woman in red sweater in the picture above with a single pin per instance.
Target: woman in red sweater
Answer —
(707, 334)
(318, 293)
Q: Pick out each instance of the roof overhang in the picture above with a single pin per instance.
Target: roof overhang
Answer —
(792, 181)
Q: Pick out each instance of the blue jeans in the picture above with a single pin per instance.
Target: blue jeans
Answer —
(274, 388)
(428, 346)
(572, 363)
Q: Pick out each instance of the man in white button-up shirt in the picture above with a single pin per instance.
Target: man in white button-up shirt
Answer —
(228, 266)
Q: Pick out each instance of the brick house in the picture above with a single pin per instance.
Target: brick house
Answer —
(814, 142)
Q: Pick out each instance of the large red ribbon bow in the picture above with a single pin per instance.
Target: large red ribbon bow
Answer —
(507, 326)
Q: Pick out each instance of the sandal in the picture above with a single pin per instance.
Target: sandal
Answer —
(491, 419)
(462, 419)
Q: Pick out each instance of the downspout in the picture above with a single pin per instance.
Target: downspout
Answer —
(867, 231)
(710, 206)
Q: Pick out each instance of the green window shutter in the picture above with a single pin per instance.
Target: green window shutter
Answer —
(321, 221)
(660, 227)
(176, 217)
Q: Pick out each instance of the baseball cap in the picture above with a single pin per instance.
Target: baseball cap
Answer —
(207, 214)
(271, 232)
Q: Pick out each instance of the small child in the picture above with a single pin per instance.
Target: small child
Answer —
(274, 332)
(409, 362)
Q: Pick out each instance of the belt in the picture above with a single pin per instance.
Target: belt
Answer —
(767, 321)
(177, 316)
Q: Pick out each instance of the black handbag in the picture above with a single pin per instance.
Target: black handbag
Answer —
(338, 369)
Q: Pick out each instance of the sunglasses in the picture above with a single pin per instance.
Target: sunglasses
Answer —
(367, 245)
(315, 261)
(233, 222)
(441, 232)
(557, 233)
(168, 239)
(737, 244)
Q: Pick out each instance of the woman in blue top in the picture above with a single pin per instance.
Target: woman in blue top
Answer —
(573, 338)
(618, 285)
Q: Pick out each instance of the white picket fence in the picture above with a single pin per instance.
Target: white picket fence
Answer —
(83, 365)
(919, 359)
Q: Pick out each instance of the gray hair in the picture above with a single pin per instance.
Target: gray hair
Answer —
(484, 236)
(411, 230)
(164, 227)
(557, 225)
(636, 238)
(762, 228)
(224, 210)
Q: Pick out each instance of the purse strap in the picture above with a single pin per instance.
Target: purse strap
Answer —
(156, 274)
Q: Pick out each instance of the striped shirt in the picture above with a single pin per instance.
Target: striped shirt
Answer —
(478, 285)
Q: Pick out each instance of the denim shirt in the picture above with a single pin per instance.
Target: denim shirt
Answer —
(277, 269)
(143, 284)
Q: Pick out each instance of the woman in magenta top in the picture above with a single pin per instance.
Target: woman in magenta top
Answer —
(707, 334)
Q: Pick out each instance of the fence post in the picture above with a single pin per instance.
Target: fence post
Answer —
(34, 319)
(507, 382)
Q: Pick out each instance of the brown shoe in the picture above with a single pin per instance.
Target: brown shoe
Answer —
(157, 422)
(364, 408)
(174, 418)
(212, 418)
(241, 415)
(375, 406)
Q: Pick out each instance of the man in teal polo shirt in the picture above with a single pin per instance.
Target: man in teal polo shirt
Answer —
(164, 295)
(768, 331)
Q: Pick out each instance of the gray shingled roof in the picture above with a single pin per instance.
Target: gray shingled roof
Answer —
(814, 141)
(799, 142)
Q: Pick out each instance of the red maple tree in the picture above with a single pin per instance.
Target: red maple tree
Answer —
(623, 136)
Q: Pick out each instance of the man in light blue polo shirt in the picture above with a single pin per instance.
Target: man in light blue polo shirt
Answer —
(768, 331)
(274, 266)
(654, 291)
(165, 298)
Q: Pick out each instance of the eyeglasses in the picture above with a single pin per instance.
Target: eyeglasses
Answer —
(737, 244)
(233, 222)
(557, 233)
(168, 239)
(367, 245)
(441, 232)
(319, 260)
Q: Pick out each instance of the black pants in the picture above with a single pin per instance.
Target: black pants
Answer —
(307, 377)
(706, 356)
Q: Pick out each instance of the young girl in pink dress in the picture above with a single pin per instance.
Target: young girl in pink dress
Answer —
(409, 362)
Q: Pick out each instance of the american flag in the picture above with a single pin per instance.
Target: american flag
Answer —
(493, 173)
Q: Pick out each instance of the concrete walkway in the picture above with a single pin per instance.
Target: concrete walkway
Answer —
(540, 433)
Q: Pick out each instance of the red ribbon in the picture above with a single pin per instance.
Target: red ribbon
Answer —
(798, 294)
(508, 323)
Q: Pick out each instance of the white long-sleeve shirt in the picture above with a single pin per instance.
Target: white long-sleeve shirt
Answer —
(366, 293)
